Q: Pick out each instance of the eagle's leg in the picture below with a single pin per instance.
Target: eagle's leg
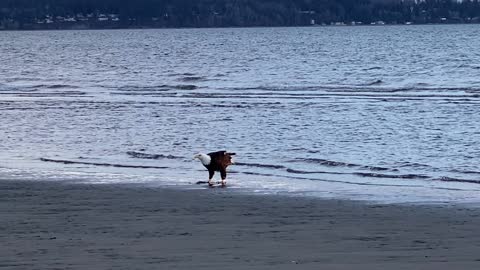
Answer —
(223, 173)
(210, 176)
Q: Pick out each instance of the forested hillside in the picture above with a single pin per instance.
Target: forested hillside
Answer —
(85, 14)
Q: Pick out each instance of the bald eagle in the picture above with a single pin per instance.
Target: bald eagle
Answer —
(216, 161)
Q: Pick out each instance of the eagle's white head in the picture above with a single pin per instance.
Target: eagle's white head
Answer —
(204, 158)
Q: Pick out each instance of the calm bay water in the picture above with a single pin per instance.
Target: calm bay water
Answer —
(386, 113)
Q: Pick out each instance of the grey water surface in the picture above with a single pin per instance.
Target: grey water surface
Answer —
(381, 113)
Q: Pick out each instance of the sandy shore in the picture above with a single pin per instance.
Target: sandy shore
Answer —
(73, 226)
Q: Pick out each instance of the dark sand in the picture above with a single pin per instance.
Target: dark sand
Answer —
(73, 226)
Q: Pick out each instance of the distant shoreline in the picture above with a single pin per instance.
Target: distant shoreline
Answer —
(226, 27)
(108, 14)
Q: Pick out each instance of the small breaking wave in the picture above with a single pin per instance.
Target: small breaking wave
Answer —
(335, 164)
(415, 165)
(140, 155)
(325, 162)
(50, 86)
(331, 163)
(258, 165)
(458, 180)
(363, 174)
(58, 86)
(334, 181)
(372, 68)
(465, 171)
(302, 172)
(101, 164)
(135, 88)
(376, 82)
(193, 79)
(375, 87)
(47, 94)
(259, 174)
(42, 90)
(311, 172)
(184, 87)
(146, 90)
(401, 176)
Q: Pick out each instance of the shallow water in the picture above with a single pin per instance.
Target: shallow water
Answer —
(385, 113)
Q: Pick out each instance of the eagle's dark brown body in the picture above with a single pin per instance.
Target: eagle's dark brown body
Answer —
(216, 162)
(219, 162)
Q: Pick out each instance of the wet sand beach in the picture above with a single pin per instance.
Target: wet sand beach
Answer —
(47, 225)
